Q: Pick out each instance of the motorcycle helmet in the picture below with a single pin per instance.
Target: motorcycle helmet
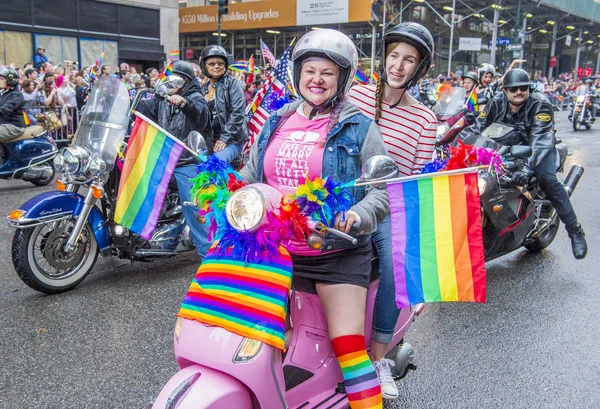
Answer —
(183, 69)
(334, 46)
(419, 37)
(11, 76)
(515, 78)
(471, 75)
(209, 52)
(485, 68)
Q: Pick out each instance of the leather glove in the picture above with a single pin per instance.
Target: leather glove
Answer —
(522, 176)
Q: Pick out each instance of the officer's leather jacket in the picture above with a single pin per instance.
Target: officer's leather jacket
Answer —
(534, 120)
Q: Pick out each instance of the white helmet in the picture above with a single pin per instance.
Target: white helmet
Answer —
(334, 46)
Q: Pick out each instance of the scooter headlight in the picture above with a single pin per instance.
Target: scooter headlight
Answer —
(245, 209)
(97, 166)
(59, 163)
(247, 351)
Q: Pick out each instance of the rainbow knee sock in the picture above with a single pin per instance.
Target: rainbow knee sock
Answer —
(360, 378)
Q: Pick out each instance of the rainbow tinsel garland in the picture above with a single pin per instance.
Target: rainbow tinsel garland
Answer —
(464, 156)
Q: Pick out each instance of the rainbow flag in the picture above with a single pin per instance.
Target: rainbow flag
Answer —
(239, 65)
(249, 299)
(250, 67)
(437, 244)
(150, 160)
(26, 118)
(472, 101)
(360, 77)
(174, 55)
(168, 70)
(375, 76)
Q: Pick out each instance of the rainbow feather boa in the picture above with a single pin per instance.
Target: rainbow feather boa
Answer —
(464, 156)
(317, 199)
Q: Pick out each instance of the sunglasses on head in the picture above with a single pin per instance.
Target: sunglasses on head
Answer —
(521, 88)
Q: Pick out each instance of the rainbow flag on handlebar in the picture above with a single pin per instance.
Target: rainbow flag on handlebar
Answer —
(437, 243)
(150, 160)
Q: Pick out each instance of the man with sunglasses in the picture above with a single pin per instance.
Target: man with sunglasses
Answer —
(180, 109)
(532, 114)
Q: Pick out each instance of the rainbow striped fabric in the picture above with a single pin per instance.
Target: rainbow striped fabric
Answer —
(249, 299)
(250, 67)
(174, 55)
(472, 101)
(375, 76)
(360, 378)
(436, 239)
(150, 160)
(360, 77)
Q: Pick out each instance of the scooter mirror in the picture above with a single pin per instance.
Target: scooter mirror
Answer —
(196, 142)
(378, 167)
(520, 151)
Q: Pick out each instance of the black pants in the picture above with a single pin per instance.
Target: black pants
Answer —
(545, 173)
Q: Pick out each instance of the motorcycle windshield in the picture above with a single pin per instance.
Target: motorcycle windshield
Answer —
(451, 102)
(105, 120)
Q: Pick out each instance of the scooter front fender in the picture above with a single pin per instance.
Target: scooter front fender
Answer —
(200, 387)
(50, 206)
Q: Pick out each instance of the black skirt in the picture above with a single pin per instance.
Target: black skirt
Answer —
(351, 266)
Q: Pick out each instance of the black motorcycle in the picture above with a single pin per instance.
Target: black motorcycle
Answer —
(517, 216)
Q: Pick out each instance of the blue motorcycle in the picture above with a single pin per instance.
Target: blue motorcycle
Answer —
(59, 234)
(28, 157)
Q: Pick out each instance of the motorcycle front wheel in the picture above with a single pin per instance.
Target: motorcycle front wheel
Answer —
(41, 262)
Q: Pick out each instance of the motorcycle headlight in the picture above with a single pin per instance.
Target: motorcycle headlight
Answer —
(75, 159)
(97, 166)
(59, 163)
(581, 98)
(442, 129)
(245, 209)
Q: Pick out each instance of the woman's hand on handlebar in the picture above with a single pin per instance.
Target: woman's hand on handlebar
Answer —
(346, 224)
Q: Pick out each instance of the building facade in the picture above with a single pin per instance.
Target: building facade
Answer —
(139, 32)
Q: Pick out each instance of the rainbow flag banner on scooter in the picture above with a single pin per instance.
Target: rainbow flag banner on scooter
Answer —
(247, 298)
(437, 243)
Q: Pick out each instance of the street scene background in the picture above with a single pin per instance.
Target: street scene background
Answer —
(109, 342)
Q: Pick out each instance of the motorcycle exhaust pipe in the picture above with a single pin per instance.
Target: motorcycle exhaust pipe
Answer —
(573, 178)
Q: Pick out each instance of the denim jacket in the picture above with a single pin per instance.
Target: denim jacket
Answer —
(351, 142)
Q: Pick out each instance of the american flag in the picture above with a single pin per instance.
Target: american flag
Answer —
(272, 88)
(267, 54)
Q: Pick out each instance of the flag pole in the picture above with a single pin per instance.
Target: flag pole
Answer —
(421, 176)
(145, 119)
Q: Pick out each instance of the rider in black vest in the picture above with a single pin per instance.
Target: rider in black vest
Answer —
(533, 115)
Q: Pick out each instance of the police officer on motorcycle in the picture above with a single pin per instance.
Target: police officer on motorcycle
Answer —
(12, 123)
(181, 110)
(531, 113)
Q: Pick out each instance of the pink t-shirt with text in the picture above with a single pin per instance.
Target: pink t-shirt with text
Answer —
(295, 150)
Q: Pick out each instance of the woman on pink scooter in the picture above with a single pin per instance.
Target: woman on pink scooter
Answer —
(323, 135)
(409, 130)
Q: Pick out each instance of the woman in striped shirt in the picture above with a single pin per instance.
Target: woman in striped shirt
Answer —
(409, 130)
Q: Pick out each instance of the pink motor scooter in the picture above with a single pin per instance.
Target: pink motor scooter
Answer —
(223, 370)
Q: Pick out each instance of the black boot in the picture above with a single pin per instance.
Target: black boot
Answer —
(578, 242)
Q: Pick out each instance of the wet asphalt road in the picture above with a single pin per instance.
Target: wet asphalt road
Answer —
(108, 343)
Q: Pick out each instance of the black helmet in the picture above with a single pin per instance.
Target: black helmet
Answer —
(12, 76)
(515, 78)
(419, 37)
(183, 69)
(471, 75)
(588, 81)
(212, 51)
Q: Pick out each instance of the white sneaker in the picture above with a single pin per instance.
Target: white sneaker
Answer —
(389, 390)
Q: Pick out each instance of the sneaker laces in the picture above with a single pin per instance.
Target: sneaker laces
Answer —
(384, 371)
